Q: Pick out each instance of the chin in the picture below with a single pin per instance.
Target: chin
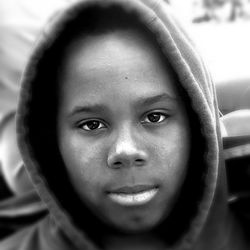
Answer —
(136, 226)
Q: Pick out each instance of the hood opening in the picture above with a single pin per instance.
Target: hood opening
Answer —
(40, 118)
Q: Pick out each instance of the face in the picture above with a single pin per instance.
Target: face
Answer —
(123, 132)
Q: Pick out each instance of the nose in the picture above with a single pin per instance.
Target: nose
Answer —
(126, 151)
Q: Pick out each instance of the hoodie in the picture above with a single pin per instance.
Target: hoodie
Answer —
(201, 218)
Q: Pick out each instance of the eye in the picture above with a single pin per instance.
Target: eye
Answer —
(91, 125)
(155, 117)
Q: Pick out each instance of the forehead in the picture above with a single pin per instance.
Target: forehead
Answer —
(112, 57)
(112, 47)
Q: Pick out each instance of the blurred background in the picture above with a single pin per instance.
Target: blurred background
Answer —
(221, 30)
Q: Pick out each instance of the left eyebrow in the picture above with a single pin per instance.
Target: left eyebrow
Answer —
(87, 108)
(147, 101)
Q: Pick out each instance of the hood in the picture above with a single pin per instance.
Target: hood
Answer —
(201, 210)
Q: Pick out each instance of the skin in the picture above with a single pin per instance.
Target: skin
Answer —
(121, 122)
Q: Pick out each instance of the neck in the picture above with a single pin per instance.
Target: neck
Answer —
(142, 241)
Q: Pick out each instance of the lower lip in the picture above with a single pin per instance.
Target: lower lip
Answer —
(134, 199)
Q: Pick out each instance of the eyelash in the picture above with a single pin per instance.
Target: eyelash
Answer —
(86, 124)
(162, 117)
(91, 122)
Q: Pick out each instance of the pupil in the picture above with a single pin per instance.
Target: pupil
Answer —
(93, 125)
(154, 117)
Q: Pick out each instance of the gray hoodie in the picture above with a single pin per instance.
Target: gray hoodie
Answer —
(201, 219)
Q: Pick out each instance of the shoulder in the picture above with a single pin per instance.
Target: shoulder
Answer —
(39, 236)
(17, 240)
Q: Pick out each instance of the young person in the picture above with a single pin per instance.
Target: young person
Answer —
(118, 128)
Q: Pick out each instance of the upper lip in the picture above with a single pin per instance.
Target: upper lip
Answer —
(132, 189)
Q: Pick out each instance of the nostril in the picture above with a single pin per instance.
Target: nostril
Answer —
(117, 164)
(139, 162)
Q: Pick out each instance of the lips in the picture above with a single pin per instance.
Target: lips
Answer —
(133, 189)
(133, 195)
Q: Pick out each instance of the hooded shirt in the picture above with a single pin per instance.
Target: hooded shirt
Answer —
(201, 219)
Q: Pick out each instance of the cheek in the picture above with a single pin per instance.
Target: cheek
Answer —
(85, 162)
(172, 154)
